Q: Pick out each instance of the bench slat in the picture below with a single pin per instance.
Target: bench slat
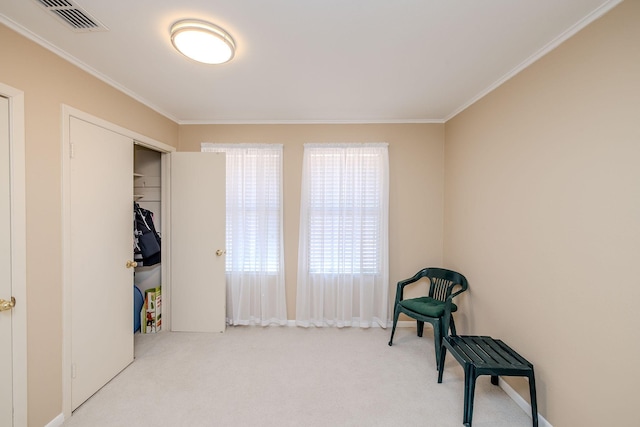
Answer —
(486, 352)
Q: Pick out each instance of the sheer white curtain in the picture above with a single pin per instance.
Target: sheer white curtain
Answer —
(254, 259)
(343, 252)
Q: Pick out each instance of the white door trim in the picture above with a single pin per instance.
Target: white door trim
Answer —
(67, 113)
(18, 252)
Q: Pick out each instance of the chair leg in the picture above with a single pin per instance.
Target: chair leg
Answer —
(396, 314)
(452, 326)
(420, 326)
(443, 356)
(534, 403)
(437, 340)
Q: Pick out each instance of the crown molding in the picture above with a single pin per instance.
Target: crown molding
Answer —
(571, 31)
(74, 61)
(309, 122)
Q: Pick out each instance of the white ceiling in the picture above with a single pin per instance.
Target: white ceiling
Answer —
(312, 60)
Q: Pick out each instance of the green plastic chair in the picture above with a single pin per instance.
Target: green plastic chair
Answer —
(430, 308)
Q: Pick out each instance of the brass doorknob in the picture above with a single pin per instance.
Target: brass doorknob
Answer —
(220, 252)
(132, 264)
(7, 305)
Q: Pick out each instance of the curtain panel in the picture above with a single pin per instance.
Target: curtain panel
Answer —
(343, 253)
(254, 237)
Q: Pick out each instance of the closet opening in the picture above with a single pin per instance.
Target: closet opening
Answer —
(147, 237)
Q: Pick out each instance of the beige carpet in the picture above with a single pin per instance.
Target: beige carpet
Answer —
(290, 376)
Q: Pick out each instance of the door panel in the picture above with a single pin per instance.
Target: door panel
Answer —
(6, 389)
(198, 290)
(101, 243)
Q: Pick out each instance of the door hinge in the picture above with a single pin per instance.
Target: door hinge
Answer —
(72, 151)
(73, 370)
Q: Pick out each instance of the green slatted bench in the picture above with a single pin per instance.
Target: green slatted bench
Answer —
(482, 355)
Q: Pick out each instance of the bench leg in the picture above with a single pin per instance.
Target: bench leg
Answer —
(469, 391)
(534, 403)
(494, 380)
(420, 327)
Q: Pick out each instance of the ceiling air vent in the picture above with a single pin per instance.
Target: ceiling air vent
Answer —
(71, 14)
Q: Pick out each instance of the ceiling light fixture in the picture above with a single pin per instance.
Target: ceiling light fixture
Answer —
(202, 41)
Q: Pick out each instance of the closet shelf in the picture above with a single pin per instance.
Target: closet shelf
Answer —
(147, 181)
(150, 194)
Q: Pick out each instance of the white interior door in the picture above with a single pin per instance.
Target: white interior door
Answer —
(101, 227)
(13, 272)
(198, 290)
(6, 385)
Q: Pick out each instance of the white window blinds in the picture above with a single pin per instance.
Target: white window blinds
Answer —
(345, 201)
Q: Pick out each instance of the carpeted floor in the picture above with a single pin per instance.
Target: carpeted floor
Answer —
(289, 376)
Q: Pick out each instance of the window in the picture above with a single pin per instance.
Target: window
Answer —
(345, 201)
(343, 249)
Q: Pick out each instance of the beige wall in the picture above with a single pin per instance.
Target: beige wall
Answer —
(48, 82)
(542, 213)
(415, 163)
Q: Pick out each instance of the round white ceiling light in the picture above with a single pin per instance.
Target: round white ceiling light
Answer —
(202, 41)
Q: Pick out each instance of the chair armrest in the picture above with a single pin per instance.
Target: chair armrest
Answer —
(401, 284)
(459, 291)
(449, 299)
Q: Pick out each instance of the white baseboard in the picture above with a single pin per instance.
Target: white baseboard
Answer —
(522, 403)
(56, 422)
